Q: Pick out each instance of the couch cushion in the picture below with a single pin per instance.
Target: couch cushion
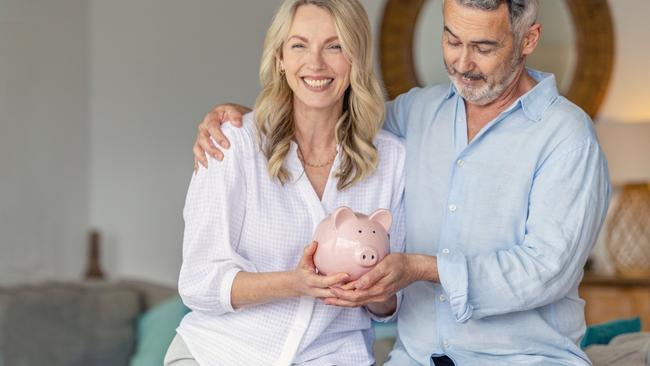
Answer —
(68, 324)
(156, 329)
(603, 333)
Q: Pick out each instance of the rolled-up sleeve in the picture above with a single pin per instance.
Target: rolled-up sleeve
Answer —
(214, 216)
(568, 203)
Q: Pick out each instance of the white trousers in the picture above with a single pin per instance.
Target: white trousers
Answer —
(178, 354)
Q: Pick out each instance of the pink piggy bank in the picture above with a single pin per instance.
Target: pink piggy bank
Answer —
(351, 243)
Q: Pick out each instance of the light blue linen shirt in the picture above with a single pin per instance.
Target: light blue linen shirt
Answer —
(512, 217)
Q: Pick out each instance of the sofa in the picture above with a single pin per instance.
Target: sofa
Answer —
(74, 324)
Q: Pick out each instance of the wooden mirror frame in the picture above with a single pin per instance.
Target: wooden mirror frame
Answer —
(594, 48)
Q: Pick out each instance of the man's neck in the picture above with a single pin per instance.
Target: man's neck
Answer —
(480, 115)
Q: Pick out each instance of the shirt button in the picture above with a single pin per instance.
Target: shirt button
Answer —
(452, 208)
(445, 343)
(445, 251)
(442, 298)
(460, 163)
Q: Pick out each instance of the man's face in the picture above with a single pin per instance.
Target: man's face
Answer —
(479, 51)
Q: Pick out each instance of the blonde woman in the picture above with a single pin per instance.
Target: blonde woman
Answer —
(312, 144)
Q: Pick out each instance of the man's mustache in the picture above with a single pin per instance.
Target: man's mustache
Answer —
(467, 75)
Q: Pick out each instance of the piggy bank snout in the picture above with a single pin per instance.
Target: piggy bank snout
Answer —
(367, 257)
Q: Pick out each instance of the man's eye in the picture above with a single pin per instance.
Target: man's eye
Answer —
(453, 44)
(484, 51)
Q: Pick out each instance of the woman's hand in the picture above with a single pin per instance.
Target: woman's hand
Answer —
(211, 127)
(309, 283)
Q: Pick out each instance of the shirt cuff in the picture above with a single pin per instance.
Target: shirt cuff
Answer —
(387, 318)
(226, 288)
(453, 274)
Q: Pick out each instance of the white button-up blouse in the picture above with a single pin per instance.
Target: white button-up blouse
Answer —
(238, 219)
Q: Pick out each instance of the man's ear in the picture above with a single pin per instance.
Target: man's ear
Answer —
(531, 39)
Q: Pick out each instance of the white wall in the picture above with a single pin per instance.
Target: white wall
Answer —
(43, 151)
(628, 97)
(157, 67)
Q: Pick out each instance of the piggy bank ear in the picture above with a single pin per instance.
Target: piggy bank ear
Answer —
(383, 218)
(341, 215)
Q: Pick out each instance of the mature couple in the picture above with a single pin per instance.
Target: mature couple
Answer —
(498, 194)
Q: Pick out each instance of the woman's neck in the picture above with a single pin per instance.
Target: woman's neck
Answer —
(315, 128)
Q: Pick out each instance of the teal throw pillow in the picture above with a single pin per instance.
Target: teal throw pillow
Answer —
(603, 333)
(156, 328)
(385, 330)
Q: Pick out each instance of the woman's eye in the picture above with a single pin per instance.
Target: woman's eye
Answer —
(297, 46)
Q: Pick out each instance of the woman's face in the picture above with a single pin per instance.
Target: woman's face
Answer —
(316, 69)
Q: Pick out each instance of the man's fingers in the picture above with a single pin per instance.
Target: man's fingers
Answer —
(199, 156)
(206, 144)
(214, 130)
(346, 304)
(369, 279)
(234, 116)
(352, 296)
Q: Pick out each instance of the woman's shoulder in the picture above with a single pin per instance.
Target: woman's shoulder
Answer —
(387, 143)
(242, 139)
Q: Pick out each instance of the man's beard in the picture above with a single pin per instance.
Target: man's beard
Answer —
(490, 90)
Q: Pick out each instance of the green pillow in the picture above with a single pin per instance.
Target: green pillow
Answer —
(603, 333)
(385, 330)
(156, 328)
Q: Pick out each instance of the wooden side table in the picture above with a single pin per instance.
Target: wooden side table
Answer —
(614, 297)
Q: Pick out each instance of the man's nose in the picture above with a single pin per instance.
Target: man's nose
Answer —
(465, 62)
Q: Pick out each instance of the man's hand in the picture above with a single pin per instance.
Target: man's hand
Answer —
(395, 272)
(211, 127)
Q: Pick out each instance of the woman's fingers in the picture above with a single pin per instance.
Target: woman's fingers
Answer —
(307, 260)
(334, 280)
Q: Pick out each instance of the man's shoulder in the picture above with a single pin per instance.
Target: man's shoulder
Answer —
(569, 120)
(427, 95)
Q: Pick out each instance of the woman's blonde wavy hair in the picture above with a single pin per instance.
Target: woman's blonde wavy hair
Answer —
(363, 107)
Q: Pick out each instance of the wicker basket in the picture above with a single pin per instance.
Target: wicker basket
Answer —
(628, 236)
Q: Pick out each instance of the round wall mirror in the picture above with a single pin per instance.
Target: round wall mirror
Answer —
(577, 46)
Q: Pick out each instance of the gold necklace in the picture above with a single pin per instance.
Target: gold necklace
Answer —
(302, 158)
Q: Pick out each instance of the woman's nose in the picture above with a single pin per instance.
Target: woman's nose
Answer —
(315, 60)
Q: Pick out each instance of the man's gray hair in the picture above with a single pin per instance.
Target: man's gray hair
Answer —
(523, 13)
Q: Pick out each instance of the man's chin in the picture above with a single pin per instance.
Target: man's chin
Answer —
(475, 97)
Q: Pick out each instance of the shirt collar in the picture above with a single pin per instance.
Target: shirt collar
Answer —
(535, 102)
